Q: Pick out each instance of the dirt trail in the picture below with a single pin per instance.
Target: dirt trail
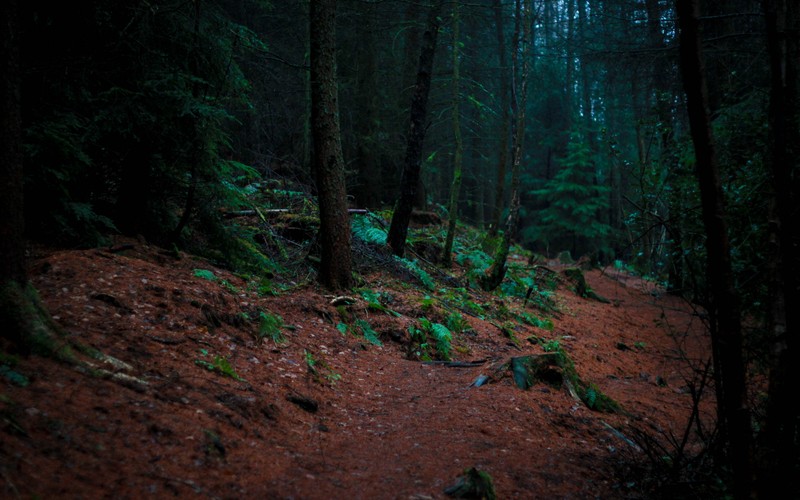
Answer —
(380, 426)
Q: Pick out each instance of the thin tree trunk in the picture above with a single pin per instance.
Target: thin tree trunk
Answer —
(455, 188)
(12, 255)
(398, 229)
(494, 275)
(502, 160)
(336, 260)
(726, 327)
(780, 441)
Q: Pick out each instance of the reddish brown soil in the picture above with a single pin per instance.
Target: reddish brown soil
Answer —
(390, 427)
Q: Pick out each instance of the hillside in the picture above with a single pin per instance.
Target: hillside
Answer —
(225, 392)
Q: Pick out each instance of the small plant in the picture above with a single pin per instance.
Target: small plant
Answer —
(342, 327)
(417, 271)
(205, 274)
(369, 334)
(271, 326)
(456, 323)
(219, 364)
(419, 340)
(314, 365)
(427, 303)
(376, 301)
(441, 336)
(551, 346)
(535, 321)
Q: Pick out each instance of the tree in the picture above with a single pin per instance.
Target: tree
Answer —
(398, 229)
(494, 275)
(25, 325)
(778, 469)
(335, 236)
(571, 219)
(502, 158)
(455, 188)
(726, 328)
(12, 267)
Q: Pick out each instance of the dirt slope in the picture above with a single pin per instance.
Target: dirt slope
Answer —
(371, 424)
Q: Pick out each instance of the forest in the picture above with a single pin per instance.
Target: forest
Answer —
(281, 139)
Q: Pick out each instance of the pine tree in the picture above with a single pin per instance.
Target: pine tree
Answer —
(572, 219)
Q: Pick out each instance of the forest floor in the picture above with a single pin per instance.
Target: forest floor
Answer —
(201, 407)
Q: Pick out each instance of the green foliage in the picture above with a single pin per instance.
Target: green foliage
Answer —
(376, 301)
(367, 230)
(456, 323)
(205, 274)
(13, 376)
(571, 220)
(314, 366)
(218, 364)
(417, 271)
(551, 346)
(369, 334)
(270, 326)
(441, 335)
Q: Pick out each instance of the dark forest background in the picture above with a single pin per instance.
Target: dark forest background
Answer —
(159, 118)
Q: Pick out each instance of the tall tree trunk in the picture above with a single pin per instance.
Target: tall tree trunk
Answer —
(455, 188)
(502, 160)
(336, 260)
(780, 441)
(12, 255)
(724, 309)
(494, 275)
(398, 229)
(25, 325)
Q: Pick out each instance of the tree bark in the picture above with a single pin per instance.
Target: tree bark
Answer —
(780, 436)
(12, 254)
(494, 275)
(502, 160)
(398, 230)
(724, 309)
(336, 260)
(455, 188)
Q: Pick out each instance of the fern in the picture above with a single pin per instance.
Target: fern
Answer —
(370, 335)
(271, 326)
(441, 335)
(367, 231)
(443, 339)
(417, 271)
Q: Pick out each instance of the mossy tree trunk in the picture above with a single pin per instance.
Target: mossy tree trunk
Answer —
(455, 187)
(502, 160)
(494, 275)
(25, 325)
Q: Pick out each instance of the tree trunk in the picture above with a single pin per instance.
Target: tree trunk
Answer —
(336, 267)
(502, 160)
(494, 275)
(780, 436)
(724, 309)
(25, 325)
(398, 230)
(455, 188)
(12, 248)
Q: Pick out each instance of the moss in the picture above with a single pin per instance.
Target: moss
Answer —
(28, 325)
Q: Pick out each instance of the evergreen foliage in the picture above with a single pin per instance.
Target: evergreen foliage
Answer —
(574, 201)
